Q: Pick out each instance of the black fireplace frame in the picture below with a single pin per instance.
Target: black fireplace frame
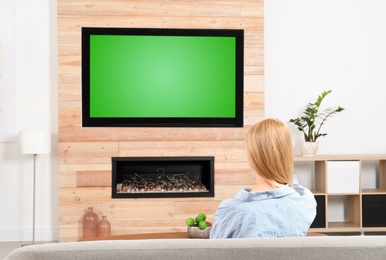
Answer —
(203, 166)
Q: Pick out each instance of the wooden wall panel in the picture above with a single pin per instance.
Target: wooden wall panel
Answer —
(85, 153)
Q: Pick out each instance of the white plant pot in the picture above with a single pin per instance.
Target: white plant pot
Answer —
(308, 148)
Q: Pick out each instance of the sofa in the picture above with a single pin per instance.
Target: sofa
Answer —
(317, 247)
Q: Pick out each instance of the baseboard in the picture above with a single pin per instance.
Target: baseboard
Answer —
(41, 235)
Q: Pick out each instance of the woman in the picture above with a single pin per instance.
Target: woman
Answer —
(278, 206)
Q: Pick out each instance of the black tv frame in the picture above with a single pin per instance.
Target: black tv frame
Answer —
(88, 121)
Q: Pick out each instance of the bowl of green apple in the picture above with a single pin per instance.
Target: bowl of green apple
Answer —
(198, 227)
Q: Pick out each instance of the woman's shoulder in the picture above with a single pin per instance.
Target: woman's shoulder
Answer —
(233, 202)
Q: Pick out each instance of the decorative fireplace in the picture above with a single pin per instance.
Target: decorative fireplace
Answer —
(162, 177)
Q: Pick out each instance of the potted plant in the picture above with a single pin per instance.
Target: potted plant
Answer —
(310, 124)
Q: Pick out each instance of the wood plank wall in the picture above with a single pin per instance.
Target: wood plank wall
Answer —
(85, 153)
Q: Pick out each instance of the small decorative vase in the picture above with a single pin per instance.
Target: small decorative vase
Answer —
(104, 227)
(308, 148)
(90, 224)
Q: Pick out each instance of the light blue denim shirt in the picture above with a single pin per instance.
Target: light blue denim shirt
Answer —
(283, 212)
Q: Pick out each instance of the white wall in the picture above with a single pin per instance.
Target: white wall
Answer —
(36, 85)
(311, 46)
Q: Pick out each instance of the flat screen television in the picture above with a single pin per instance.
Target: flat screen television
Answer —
(146, 77)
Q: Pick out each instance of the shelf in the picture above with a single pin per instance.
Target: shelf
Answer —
(377, 229)
(344, 209)
(344, 157)
(343, 194)
(317, 192)
(350, 191)
(374, 191)
(343, 226)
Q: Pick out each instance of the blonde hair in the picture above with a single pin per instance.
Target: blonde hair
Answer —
(269, 149)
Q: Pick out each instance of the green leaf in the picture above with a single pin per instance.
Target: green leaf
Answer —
(312, 120)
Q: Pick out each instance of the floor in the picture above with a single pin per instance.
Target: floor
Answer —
(7, 247)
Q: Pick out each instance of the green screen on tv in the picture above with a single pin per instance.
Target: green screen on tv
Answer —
(163, 77)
